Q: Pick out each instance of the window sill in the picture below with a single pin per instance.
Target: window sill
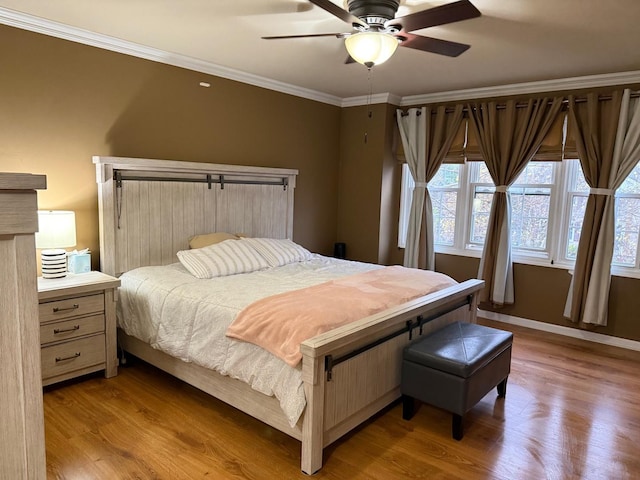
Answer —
(539, 262)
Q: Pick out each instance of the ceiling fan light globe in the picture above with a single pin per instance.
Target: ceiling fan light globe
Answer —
(371, 48)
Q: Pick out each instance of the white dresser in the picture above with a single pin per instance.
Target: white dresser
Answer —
(22, 452)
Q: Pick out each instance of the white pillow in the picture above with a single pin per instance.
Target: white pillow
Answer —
(278, 251)
(222, 259)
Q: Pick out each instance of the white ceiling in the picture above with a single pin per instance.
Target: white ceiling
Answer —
(514, 41)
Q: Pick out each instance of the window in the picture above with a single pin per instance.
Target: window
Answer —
(531, 196)
(627, 236)
(482, 188)
(444, 190)
(577, 193)
(548, 202)
(627, 215)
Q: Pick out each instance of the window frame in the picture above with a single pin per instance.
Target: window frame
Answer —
(458, 191)
(534, 254)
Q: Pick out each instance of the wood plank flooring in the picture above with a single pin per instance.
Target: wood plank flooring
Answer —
(572, 411)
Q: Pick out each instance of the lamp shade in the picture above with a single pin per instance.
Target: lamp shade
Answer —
(56, 229)
(371, 48)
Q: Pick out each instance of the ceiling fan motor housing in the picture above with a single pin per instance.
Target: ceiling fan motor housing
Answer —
(378, 11)
(375, 21)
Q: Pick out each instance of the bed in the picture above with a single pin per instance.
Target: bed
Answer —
(148, 209)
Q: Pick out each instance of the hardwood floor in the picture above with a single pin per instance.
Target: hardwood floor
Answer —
(572, 411)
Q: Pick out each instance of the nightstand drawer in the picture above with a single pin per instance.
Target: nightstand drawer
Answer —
(74, 355)
(68, 329)
(71, 307)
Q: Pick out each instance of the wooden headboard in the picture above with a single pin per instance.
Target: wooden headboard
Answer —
(148, 209)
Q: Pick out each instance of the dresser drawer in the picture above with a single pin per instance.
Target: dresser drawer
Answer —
(68, 329)
(71, 307)
(74, 355)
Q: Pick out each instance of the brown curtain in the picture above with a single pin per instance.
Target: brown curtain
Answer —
(440, 130)
(551, 149)
(455, 154)
(507, 138)
(594, 125)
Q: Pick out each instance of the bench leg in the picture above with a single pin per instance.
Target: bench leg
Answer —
(457, 426)
(408, 407)
(502, 388)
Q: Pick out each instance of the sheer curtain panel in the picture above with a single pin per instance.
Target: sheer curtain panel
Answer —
(430, 131)
(413, 132)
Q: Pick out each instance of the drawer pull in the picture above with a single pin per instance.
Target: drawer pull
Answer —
(57, 309)
(62, 359)
(65, 330)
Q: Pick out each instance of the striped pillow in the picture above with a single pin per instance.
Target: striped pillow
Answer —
(278, 251)
(222, 259)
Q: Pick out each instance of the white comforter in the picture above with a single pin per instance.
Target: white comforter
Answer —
(187, 318)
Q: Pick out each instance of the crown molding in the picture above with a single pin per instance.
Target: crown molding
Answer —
(32, 23)
(35, 24)
(371, 99)
(572, 83)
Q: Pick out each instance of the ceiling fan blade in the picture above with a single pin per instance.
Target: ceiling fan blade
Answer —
(432, 17)
(280, 37)
(433, 45)
(335, 10)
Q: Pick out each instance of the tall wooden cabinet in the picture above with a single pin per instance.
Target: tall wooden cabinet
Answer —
(22, 447)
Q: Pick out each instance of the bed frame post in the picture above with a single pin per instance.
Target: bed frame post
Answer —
(474, 302)
(313, 424)
(106, 210)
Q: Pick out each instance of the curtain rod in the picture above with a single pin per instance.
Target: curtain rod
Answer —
(565, 101)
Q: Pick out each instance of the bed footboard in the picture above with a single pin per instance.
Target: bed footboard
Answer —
(352, 372)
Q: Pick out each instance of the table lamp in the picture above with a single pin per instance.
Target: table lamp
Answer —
(56, 231)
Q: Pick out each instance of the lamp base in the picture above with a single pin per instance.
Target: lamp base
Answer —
(54, 263)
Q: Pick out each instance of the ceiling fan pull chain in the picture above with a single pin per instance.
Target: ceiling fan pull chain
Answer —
(369, 97)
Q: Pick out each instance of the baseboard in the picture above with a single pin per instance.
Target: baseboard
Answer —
(560, 330)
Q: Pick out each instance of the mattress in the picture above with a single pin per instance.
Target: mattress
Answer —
(186, 317)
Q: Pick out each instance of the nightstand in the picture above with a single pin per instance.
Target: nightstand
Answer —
(77, 326)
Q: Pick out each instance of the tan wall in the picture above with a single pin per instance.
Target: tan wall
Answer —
(62, 102)
(369, 179)
(388, 251)
(360, 180)
(541, 292)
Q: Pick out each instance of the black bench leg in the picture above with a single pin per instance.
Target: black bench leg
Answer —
(408, 407)
(502, 388)
(457, 426)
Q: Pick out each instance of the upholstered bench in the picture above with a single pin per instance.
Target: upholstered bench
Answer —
(454, 368)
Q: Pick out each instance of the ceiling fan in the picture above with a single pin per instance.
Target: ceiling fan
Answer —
(378, 32)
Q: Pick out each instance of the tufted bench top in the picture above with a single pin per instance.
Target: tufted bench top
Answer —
(459, 348)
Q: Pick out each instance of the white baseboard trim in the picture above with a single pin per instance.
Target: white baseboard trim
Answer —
(560, 330)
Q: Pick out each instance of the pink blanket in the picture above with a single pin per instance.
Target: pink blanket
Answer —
(281, 322)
